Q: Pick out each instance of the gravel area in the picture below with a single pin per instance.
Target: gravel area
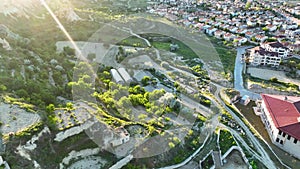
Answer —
(235, 161)
(91, 162)
(87, 159)
(267, 74)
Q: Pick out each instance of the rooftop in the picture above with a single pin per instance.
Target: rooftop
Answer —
(284, 111)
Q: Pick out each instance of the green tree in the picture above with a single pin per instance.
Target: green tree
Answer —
(292, 64)
(3, 88)
(136, 90)
(247, 5)
(298, 66)
(145, 80)
(69, 51)
(176, 85)
(69, 106)
(265, 29)
(171, 145)
(22, 93)
(50, 109)
(91, 56)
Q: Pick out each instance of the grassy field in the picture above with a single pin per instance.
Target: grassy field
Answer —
(183, 50)
(133, 41)
(226, 141)
(226, 54)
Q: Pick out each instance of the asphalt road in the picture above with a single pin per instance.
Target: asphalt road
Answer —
(238, 75)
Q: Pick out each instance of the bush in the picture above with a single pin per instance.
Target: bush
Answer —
(274, 79)
(171, 145)
(69, 51)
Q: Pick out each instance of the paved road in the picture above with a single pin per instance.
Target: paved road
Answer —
(265, 158)
(238, 75)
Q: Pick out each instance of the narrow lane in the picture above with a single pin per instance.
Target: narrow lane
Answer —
(238, 75)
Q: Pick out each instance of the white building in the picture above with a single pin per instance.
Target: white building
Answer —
(276, 47)
(116, 76)
(268, 54)
(228, 36)
(245, 100)
(127, 78)
(219, 34)
(210, 31)
(121, 136)
(239, 40)
(259, 56)
(281, 117)
(289, 26)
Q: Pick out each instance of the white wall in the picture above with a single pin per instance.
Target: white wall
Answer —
(288, 145)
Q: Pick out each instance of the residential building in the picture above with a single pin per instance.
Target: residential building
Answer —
(127, 78)
(281, 117)
(239, 40)
(121, 136)
(219, 34)
(245, 100)
(271, 27)
(276, 47)
(210, 31)
(289, 26)
(228, 36)
(261, 38)
(249, 34)
(260, 56)
(116, 76)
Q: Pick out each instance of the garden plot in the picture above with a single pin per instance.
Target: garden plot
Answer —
(69, 118)
(15, 119)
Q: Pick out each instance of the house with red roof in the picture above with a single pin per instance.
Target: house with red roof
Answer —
(219, 34)
(261, 38)
(281, 117)
(238, 41)
(271, 27)
(228, 36)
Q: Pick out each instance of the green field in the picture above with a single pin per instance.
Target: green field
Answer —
(183, 50)
(226, 54)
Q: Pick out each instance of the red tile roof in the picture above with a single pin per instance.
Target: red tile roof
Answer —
(285, 112)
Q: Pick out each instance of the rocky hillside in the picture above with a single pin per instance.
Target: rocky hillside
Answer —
(35, 8)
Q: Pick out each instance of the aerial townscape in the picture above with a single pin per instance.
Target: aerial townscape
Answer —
(143, 84)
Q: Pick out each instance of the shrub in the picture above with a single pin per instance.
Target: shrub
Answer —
(274, 79)
(171, 145)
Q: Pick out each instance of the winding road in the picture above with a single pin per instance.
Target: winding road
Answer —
(260, 152)
(262, 155)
